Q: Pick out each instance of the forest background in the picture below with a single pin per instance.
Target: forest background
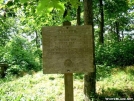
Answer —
(20, 32)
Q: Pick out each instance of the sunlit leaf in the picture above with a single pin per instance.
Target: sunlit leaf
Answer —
(74, 3)
(23, 1)
(43, 6)
(60, 7)
(1, 1)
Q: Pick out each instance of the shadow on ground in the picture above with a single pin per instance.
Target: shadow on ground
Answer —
(116, 94)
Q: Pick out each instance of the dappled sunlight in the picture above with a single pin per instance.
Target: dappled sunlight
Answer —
(119, 84)
(66, 36)
(39, 86)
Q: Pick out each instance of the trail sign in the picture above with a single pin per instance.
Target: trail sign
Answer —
(67, 49)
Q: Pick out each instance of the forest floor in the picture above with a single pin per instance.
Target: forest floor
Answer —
(114, 83)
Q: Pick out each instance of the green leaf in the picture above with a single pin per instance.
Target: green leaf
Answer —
(60, 7)
(44, 7)
(1, 1)
(74, 3)
(23, 1)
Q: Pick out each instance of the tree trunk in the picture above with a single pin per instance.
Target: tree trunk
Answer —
(117, 30)
(37, 41)
(122, 35)
(88, 14)
(101, 37)
(3, 68)
(78, 14)
(89, 79)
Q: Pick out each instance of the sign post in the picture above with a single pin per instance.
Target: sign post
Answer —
(68, 80)
(68, 77)
(66, 50)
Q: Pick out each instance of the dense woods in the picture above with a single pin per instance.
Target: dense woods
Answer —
(21, 22)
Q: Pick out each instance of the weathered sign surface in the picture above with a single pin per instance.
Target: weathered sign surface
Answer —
(67, 49)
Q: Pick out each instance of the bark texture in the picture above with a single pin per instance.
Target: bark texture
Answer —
(78, 14)
(89, 79)
(101, 37)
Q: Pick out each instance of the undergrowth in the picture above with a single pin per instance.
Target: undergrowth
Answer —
(111, 82)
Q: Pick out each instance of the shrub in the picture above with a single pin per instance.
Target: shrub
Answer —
(119, 53)
(20, 55)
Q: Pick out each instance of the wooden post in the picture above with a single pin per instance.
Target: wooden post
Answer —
(68, 78)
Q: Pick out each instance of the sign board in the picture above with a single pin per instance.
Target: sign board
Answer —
(67, 49)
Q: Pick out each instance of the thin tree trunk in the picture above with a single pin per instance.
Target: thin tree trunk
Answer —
(78, 15)
(89, 79)
(117, 30)
(122, 35)
(37, 41)
(101, 37)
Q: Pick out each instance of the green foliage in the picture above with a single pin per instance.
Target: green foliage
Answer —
(1, 1)
(37, 87)
(4, 30)
(23, 1)
(120, 54)
(15, 70)
(2, 51)
(114, 82)
(111, 82)
(46, 6)
(101, 70)
(20, 55)
(79, 76)
(115, 7)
